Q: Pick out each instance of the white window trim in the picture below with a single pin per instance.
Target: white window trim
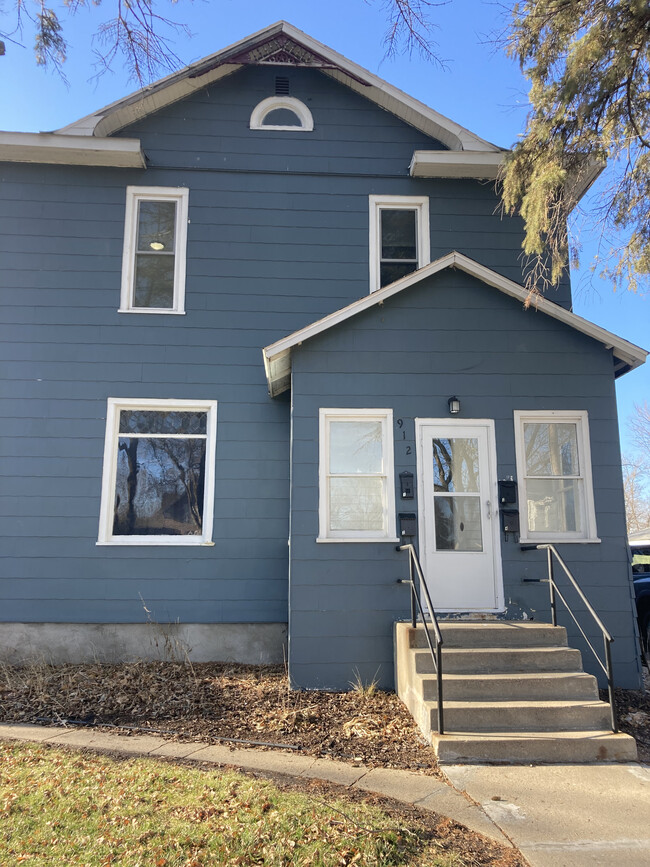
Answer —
(134, 195)
(115, 404)
(271, 103)
(581, 420)
(389, 533)
(419, 204)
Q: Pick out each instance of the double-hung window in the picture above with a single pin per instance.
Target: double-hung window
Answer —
(357, 497)
(155, 240)
(399, 237)
(554, 471)
(158, 482)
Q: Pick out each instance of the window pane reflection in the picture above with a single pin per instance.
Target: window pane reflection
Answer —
(154, 281)
(553, 505)
(551, 449)
(162, 422)
(455, 465)
(458, 524)
(398, 234)
(156, 221)
(159, 486)
(355, 447)
(356, 504)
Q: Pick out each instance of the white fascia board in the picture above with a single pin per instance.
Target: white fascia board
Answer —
(276, 353)
(181, 84)
(457, 164)
(81, 150)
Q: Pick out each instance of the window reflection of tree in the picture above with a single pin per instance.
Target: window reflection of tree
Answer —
(164, 485)
(154, 280)
(551, 456)
(456, 465)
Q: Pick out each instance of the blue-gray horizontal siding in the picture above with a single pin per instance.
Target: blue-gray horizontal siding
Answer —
(278, 237)
(449, 335)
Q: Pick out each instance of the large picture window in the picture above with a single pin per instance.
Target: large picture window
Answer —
(155, 238)
(158, 483)
(356, 475)
(399, 238)
(554, 470)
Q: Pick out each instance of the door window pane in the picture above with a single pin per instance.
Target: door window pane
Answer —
(356, 447)
(458, 523)
(356, 504)
(551, 449)
(455, 465)
(553, 505)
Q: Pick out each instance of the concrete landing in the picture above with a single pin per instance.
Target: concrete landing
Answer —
(566, 815)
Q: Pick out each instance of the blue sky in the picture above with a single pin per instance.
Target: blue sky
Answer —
(477, 86)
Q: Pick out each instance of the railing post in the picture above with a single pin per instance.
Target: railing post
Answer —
(610, 684)
(413, 608)
(551, 584)
(441, 721)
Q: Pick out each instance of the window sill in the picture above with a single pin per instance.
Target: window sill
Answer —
(325, 541)
(157, 540)
(155, 310)
(523, 541)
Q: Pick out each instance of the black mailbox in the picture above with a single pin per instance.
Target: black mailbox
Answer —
(507, 491)
(407, 524)
(510, 520)
(406, 485)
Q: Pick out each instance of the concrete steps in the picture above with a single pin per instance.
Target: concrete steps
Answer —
(513, 692)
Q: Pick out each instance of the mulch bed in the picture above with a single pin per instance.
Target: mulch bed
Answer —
(208, 701)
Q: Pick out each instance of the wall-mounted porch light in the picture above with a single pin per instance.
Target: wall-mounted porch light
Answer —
(454, 405)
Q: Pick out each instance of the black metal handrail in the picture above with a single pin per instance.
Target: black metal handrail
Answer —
(551, 551)
(416, 606)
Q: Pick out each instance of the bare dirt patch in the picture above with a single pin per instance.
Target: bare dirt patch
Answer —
(633, 709)
(209, 701)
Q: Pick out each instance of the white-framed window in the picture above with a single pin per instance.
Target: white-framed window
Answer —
(554, 471)
(158, 479)
(282, 113)
(356, 478)
(399, 237)
(155, 241)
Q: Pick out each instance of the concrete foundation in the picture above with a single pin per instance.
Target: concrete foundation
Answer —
(57, 643)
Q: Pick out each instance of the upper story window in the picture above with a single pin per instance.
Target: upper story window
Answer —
(155, 240)
(554, 471)
(282, 113)
(399, 237)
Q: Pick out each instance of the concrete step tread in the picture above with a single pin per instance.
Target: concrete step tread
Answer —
(522, 703)
(497, 648)
(591, 734)
(497, 677)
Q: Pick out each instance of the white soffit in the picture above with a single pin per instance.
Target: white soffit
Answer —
(457, 164)
(78, 150)
(277, 356)
(198, 75)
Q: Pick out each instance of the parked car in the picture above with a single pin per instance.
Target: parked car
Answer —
(641, 575)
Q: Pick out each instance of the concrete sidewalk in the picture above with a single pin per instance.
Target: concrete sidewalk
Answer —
(557, 815)
(427, 793)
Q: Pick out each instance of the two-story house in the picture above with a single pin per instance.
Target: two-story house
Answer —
(263, 321)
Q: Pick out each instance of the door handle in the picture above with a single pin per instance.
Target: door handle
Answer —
(488, 506)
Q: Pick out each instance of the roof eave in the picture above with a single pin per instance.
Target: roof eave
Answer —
(50, 148)
(279, 353)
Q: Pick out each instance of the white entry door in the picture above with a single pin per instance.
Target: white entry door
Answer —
(459, 515)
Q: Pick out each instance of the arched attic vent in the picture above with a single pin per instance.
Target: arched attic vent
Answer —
(282, 113)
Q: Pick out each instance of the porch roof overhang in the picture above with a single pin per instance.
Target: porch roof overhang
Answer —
(277, 356)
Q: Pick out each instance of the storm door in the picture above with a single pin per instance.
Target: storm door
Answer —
(459, 534)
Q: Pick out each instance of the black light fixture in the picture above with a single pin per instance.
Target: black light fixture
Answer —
(454, 405)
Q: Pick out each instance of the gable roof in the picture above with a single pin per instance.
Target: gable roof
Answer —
(277, 356)
(277, 45)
